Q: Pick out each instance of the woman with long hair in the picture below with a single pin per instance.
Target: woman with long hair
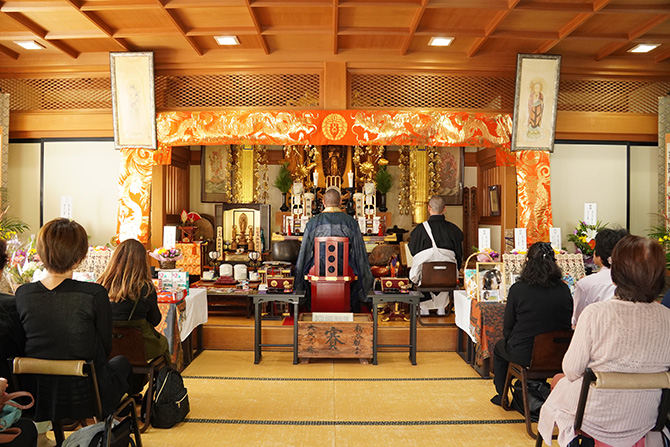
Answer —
(627, 334)
(538, 302)
(127, 279)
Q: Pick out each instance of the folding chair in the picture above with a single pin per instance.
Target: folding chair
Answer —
(54, 405)
(548, 352)
(128, 341)
(623, 381)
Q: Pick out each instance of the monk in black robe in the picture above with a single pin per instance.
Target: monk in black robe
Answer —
(333, 222)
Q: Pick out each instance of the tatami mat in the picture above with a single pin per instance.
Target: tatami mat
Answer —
(439, 402)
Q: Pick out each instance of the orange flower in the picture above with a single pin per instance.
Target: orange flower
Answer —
(592, 244)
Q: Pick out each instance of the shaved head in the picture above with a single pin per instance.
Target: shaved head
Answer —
(436, 204)
(331, 197)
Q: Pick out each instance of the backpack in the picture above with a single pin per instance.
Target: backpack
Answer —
(94, 435)
(170, 404)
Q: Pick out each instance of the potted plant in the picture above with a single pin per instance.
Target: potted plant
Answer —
(283, 183)
(383, 183)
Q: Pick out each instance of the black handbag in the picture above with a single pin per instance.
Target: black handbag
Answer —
(538, 392)
(170, 401)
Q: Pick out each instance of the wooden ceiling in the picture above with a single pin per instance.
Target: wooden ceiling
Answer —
(593, 36)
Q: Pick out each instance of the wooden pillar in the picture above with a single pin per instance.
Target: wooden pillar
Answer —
(335, 83)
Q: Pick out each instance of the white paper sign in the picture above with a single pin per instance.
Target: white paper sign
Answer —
(169, 236)
(484, 238)
(66, 207)
(332, 316)
(555, 237)
(520, 239)
(590, 213)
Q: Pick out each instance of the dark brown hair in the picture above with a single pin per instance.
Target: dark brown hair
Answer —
(127, 272)
(61, 245)
(638, 269)
(540, 268)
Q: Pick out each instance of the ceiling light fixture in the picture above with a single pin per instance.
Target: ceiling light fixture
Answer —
(440, 41)
(227, 40)
(29, 44)
(644, 47)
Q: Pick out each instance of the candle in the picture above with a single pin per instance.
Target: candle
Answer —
(316, 178)
(350, 176)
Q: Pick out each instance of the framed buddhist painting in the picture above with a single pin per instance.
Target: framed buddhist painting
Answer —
(215, 171)
(133, 104)
(494, 200)
(451, 171)
(535, 102)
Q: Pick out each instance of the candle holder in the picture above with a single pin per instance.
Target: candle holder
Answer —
(350, 208)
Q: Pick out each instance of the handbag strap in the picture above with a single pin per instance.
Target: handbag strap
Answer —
(9, 399)
(9, 434)
(134, 307)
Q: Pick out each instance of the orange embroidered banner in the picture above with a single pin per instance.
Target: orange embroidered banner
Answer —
(534, 194)
(134, 194)
(342, 127)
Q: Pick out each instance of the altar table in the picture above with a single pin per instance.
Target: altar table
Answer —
(191, 316)
(483, 323)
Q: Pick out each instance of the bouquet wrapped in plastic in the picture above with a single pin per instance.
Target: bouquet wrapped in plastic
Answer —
(23, 266)
(167, 257)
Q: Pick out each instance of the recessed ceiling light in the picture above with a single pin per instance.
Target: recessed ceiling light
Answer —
(29, 44)
(227, 40)
(644, 47)
(440, 41)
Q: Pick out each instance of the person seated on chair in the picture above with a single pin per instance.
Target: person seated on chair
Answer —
(437, 239)
(599, 287)
(538, 302)
(11, 331)
(332, 221)
(66, 319)
(628, 334)
(134, 302)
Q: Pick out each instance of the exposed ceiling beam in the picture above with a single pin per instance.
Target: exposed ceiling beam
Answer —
(277, 30)
(373, 31)
(633, 34)
(40, 32)
(237, 31)
(660, 57)
(416, 19)
(116, 5)
(98, 24)
(180, 28)
(7, 52)
(252, 14)
(490, 28)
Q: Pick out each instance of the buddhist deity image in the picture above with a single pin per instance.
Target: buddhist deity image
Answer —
(535, 108)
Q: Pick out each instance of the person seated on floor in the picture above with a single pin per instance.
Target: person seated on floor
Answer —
(64, 319)
(437, 239)
(538, 302)
(332, 221)
(627, 334)
(133, 298)
(11, 332)
(599, 287)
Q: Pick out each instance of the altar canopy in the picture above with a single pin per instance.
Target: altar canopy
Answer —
(328, 127)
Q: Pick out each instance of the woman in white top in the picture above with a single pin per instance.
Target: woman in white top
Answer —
(628, 333)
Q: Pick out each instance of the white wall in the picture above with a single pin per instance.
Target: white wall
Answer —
(588, 173)
(87, 171)
(23, 183)
(643, 189)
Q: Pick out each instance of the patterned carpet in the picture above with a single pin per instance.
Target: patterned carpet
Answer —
(439, 402)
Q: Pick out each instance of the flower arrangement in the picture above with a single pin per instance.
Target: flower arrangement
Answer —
(482, 254)
(10, 226)
(23, 264)
(662, 234)
(584, 237)
(166, 254)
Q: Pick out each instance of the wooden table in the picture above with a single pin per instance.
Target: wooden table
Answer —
(264, 297)
(411, 298)
(228, 295)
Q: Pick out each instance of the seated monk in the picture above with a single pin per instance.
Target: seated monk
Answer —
(333, 222)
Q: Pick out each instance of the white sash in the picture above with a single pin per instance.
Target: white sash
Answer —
(433, 253)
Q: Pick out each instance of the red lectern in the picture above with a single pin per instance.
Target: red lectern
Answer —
(331, 275)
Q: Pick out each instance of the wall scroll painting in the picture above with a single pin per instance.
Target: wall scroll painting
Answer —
(452, 164)
(535, 102)
(133, 105)
(216, 167)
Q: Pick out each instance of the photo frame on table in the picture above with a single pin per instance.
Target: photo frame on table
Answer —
(215, 173)
(491, 281)
(133, 102)
(535, 102)
(452, 169)
(494, 200)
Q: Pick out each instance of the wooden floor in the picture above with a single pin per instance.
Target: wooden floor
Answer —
(229, 329)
